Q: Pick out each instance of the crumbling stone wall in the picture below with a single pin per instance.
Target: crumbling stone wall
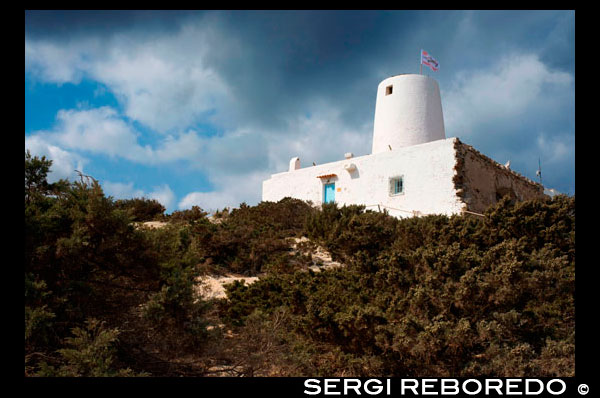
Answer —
(481, 182)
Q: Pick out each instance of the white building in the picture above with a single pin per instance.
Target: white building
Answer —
(413, 169)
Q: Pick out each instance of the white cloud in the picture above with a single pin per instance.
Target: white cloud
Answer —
(163, 194)
(230, 191)
(166, 83)
(120, 190)
(518, 86)
(321, 137)
(99, 130)
(208, 201)
(56, 63)
(557, 149)
(235, 162)
(162, 81)
(64, 163)
(185, 146)
(103, 131)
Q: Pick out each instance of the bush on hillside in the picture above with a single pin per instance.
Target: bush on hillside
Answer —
(254, 239)
(427, 296)
(445, 296)
(141, 209)
(188, 215)
(84, 260)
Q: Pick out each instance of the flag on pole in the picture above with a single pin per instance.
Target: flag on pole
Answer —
(428, 60)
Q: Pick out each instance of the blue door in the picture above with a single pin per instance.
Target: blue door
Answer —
(329, 193)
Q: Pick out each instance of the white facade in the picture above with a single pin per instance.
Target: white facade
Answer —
(413, 168)
(410, 169)
(426, 171)
(408, 111)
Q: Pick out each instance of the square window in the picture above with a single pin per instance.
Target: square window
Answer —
(396, 185)
(388, 90)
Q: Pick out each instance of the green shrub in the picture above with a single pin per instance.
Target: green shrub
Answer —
(188, 215)
(436, 295)
(141, 209)
(84, 260)
(90, 354)
(253, 239)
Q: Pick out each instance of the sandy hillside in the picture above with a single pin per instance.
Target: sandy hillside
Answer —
(212, 286)
(154, 224)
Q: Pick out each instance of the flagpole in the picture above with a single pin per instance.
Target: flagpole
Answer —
(421, 66)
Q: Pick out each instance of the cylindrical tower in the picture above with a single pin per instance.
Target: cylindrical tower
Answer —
(408, 112)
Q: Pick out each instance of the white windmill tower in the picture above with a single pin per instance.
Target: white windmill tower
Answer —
(408, 111)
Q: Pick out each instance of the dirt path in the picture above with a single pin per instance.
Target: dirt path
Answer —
(321, 258)
(212, 286)
(154, 224)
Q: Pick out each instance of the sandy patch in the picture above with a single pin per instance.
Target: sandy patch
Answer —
(154, 224)
(321, 258)
(212, 286)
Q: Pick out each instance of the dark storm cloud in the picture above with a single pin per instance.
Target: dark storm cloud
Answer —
(278, 62)
(289, 58)
(274, 61)
(69, 24)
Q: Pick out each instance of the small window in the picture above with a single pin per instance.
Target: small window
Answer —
(396, 185)
(388, 90)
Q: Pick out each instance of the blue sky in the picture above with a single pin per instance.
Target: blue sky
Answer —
(198, 108)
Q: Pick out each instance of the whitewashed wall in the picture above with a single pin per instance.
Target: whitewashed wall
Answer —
(427, 169)
(410, 115)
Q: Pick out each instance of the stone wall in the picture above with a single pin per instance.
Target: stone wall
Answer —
(481, 181)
